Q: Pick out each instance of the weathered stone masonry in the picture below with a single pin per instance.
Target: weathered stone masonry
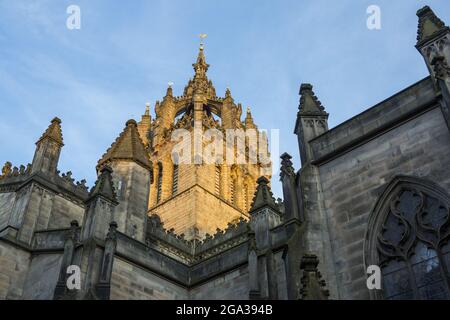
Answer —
(373, 190)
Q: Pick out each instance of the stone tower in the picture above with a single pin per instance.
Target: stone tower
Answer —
(195, 191)
(132, 173)
(48, 149)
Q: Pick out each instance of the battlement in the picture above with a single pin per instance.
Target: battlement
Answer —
(223, 239)
(67, 180)
(9, 172)
(192, 251)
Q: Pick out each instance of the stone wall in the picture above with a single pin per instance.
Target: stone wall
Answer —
(6, 205)
(352, 182)
(233, 285)
(130, 282)
(196, 208)
(14, 263)
(42, 277)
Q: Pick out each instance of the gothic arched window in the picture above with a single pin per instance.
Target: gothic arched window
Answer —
(159, 182)
(175, 179)
(408, 238)
(217, 179)
(245, 191)
(233, 191)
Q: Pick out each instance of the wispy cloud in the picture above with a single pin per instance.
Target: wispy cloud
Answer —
(96, 78)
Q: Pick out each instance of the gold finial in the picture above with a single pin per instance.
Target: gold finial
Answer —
(202, 38)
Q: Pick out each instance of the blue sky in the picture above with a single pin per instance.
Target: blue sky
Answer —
(126, 52)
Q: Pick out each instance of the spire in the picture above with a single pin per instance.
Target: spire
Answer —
(249, 124)
(53, 132)
(104, 185)
(145, 118)
(249, 113)
(200, 66)
(286, 165)
(430, 25)
(228, 96)
(309, 104)
(169, 92)
(128, 146)
(263, 196)
(200, 84)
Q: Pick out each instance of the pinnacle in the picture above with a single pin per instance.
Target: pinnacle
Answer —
(128, 146)
(200, 66)
(429, 25)
(53, 132)
(309, 104)
(104, 185)
(263, 196)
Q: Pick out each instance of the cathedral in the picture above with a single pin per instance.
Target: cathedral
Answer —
(161, 222)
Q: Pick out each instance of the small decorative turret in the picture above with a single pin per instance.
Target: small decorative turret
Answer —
(292, 204)
(48, 149)
(169, 92)
(264, 216)
(98, 217)
(313, 286)
(144, 126)
(6, 170)
(249, 124)
(433, 38)
(433, 43)
(228, 96)
(128, 146)
(312, 120)
(263, 196)
(132, 172)
(228, 110)
(430, 26)
(104, 186)
(309, 104)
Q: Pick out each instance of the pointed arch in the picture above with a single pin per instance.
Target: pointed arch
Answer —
(159, 183)
(218, 180)
(408, 228)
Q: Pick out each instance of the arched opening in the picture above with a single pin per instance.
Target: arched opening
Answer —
(408, 238)
(218, 180)
(175, 179)
(159, 182)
